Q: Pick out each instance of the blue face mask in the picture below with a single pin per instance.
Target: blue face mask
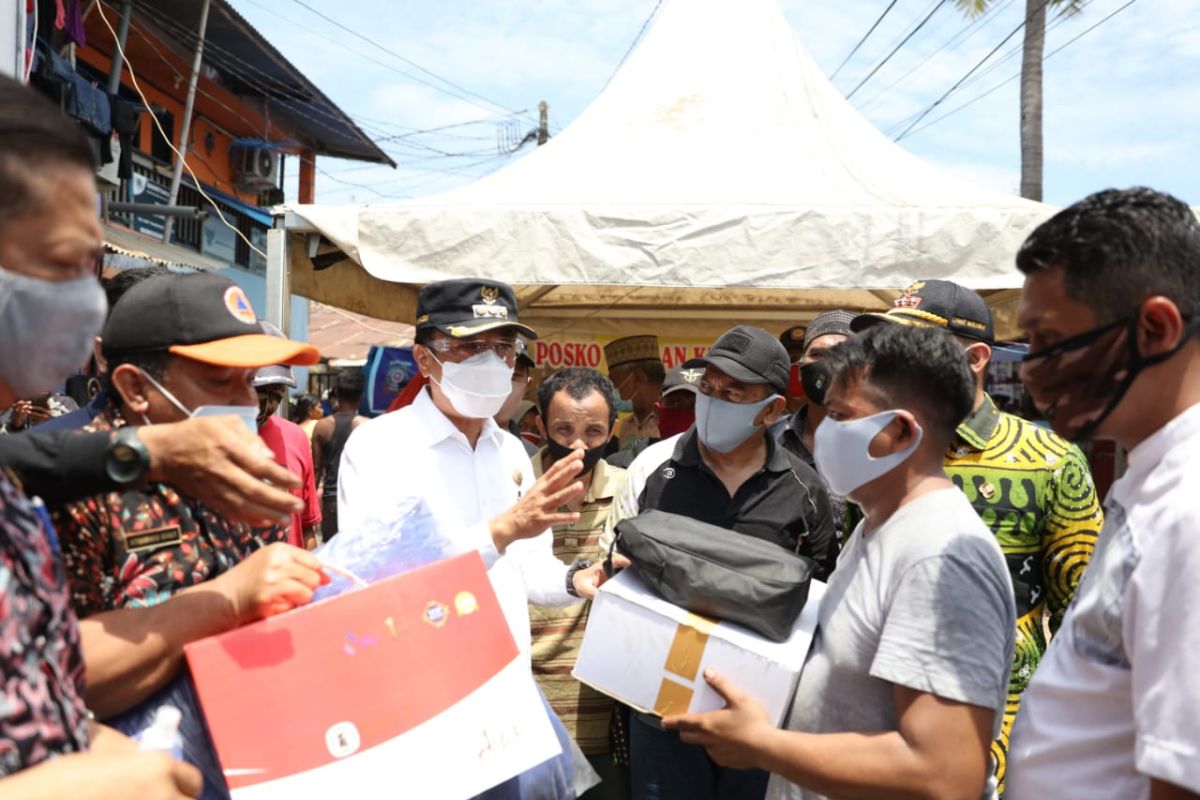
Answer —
(722, 425)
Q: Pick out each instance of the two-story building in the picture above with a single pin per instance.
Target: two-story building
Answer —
(254, 116)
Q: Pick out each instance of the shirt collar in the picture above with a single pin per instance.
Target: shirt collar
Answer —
(977, 429)
(436, 427)
(1150, 451)
(687, 453)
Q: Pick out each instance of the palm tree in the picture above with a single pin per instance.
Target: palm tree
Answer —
(1033, 51)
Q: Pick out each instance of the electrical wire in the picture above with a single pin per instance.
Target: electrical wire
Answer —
(218, 56)
(1012, 78)
(863, 40)
(970, 72)
(182, 159)
(633, 44)
(253, 125)
(896, 49)
(406, 60)
(961, 37)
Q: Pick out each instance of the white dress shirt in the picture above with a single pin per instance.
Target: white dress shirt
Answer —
(417, 452)
(1114, 702)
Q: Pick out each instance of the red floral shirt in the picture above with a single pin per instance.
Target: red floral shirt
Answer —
(41, 695)
(141, 546)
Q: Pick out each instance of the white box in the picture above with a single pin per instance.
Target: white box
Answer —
(651, 655)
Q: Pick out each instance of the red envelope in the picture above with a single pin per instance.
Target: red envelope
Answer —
(413, 681)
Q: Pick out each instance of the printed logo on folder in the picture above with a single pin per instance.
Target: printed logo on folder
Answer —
(415, 678)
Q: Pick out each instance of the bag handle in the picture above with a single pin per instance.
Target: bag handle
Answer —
(608, 560)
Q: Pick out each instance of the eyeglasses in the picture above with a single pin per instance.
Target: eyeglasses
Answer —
(506, 351)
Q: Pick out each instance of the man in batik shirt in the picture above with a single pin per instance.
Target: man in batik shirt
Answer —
(150, 568)
(1032, 488)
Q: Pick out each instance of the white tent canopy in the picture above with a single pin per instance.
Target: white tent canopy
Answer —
(719, 177)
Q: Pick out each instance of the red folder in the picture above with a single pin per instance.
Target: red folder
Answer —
(419, 667)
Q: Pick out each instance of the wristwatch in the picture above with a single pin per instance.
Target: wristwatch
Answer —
(571, 570)
(126, 459)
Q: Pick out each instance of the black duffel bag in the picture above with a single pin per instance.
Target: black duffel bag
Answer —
(716, 572)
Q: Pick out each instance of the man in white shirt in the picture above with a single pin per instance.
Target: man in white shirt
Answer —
(446, 449)
(1111, 304)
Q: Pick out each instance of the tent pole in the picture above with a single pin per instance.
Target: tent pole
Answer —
(279, 281)
(189, 104)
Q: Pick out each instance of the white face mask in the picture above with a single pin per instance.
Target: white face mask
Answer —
(247, 414)
(842, 451)
(722, 425)
(47, 328)
(477, 387)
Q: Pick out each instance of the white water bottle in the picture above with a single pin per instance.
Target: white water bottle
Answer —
(163, 734)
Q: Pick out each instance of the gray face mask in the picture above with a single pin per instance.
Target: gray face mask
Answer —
(722, 425)
(47, 328)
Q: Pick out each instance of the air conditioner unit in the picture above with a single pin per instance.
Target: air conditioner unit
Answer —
(258, 167)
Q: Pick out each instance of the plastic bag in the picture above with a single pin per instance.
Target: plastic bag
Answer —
(198, 749)
(384, 550)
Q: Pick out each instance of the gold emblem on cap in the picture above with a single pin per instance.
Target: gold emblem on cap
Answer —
(490, 294)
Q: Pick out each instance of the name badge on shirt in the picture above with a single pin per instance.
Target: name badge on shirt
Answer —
(153, 539)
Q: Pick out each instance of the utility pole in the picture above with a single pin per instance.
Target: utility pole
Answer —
(543, 123)
(186, 132)
(114, 72)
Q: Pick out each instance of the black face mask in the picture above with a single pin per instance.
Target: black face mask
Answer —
(815, 377)
(590, 456)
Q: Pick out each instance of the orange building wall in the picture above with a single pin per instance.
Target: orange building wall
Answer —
(162, 75)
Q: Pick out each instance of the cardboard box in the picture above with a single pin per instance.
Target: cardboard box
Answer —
(412, 686)
(651, 655)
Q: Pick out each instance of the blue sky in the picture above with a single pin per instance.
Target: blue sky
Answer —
(1122, 102)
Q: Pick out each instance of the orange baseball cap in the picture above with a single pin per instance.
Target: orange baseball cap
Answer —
(200, 316)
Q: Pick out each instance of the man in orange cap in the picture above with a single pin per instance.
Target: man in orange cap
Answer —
(151, 569)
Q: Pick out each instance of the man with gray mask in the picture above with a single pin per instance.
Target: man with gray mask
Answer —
(726, 470)
(50, 308)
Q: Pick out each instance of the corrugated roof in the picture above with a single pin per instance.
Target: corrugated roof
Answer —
(251, 67)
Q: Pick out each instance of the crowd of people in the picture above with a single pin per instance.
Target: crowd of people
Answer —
(987, 629)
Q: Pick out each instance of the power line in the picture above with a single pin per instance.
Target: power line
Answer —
(633, 44)
(896, 49)
(972, 28)
(863, 40)
(406, 60)
(1012, 78)
(970, 72)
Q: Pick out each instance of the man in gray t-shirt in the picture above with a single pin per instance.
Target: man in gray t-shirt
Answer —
(906, 681)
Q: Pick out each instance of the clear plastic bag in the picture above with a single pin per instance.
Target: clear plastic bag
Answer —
(383, 550)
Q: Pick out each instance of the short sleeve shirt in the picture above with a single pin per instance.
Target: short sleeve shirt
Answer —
(1114, 702)
(293, 451)
(42, 713)
(141, 546)
(923, 602)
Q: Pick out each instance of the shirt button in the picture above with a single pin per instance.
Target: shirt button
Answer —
(39, 642)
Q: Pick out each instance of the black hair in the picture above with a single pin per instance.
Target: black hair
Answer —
(1118, 247)
(907, 367)
(34, 134)
(349, 384)
(118, 283)
(424, 336)
(302, 406)
(578, 382)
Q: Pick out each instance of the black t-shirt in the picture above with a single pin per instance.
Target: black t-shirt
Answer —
(785, 502)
